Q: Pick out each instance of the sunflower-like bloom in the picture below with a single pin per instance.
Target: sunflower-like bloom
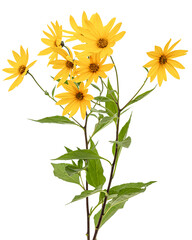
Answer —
(19, 68)
(54, 40)
(163, 60)
(78, 32)
(99, 38)
(91, 68)
(67, 66)
(75, 98)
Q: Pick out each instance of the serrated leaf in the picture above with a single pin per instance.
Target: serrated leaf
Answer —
(105, 121)
(103, 99)
(141, 96)
(55, 119)
(94, 172)
(125, 143)
(85, 154)
(60, 172)
(86, 193)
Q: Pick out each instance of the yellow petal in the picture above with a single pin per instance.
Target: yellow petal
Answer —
(12, 76)
(16, 82)
(172, 70)
(176, 53)
(46, 51)
(10, 70)
(175, 63)
(167, 46)
(16, 56)
(151, 63)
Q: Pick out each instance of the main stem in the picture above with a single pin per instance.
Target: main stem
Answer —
(111, 176)
(87, 185)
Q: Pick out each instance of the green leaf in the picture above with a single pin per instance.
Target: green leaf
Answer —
(53, 91)
(105, 121)
(60, 172)
(85, 154)
(141, 96)
(55, 119)
(124, 143)
(86, 193)
(122, 136)
(98, 111)
(96, 87)
(103, 99)
(72, 169)
(121, 194)
(111, 106)
(94, 172)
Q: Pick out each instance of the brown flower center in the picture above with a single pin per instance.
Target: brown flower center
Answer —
(93, 67)
(162, 59)
(69, 64)
(79, 96)
(57, 43)
(22, 69)
(102, 43)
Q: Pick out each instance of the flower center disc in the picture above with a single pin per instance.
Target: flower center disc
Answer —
(79, 96)
(162, 59)
(69, 64)
(102, 43)
(93, 67)
(22, 69)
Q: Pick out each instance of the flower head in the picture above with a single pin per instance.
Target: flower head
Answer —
(163, 60)
(75, 98)
(99, 38)
(91, 69)
(19, 68)
(67, 66)
(53, 40)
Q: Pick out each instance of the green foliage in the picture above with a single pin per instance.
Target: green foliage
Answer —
(111, 106)
(94, 173)
(60, 172)
(55, 119)
(72, 169)
(105, 121)
(86, 193)
(96, 87)
(124, 143)
(103, 99)
(121, 194)
(85, 154)
(121, 138)
(141, 96)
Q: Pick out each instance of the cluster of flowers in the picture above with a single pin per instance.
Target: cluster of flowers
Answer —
(88, 65)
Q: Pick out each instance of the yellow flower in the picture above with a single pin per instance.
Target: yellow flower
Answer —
(163, 60)
(75, 98)
(19, 68)
(99, 38)
(91, 69)
(67, 66)
(54, 40)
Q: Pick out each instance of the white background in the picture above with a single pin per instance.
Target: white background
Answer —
(32, 201)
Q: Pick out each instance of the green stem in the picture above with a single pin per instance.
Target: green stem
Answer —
(47, 94)
(117, 78)
(87, 185)
(134, 95)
